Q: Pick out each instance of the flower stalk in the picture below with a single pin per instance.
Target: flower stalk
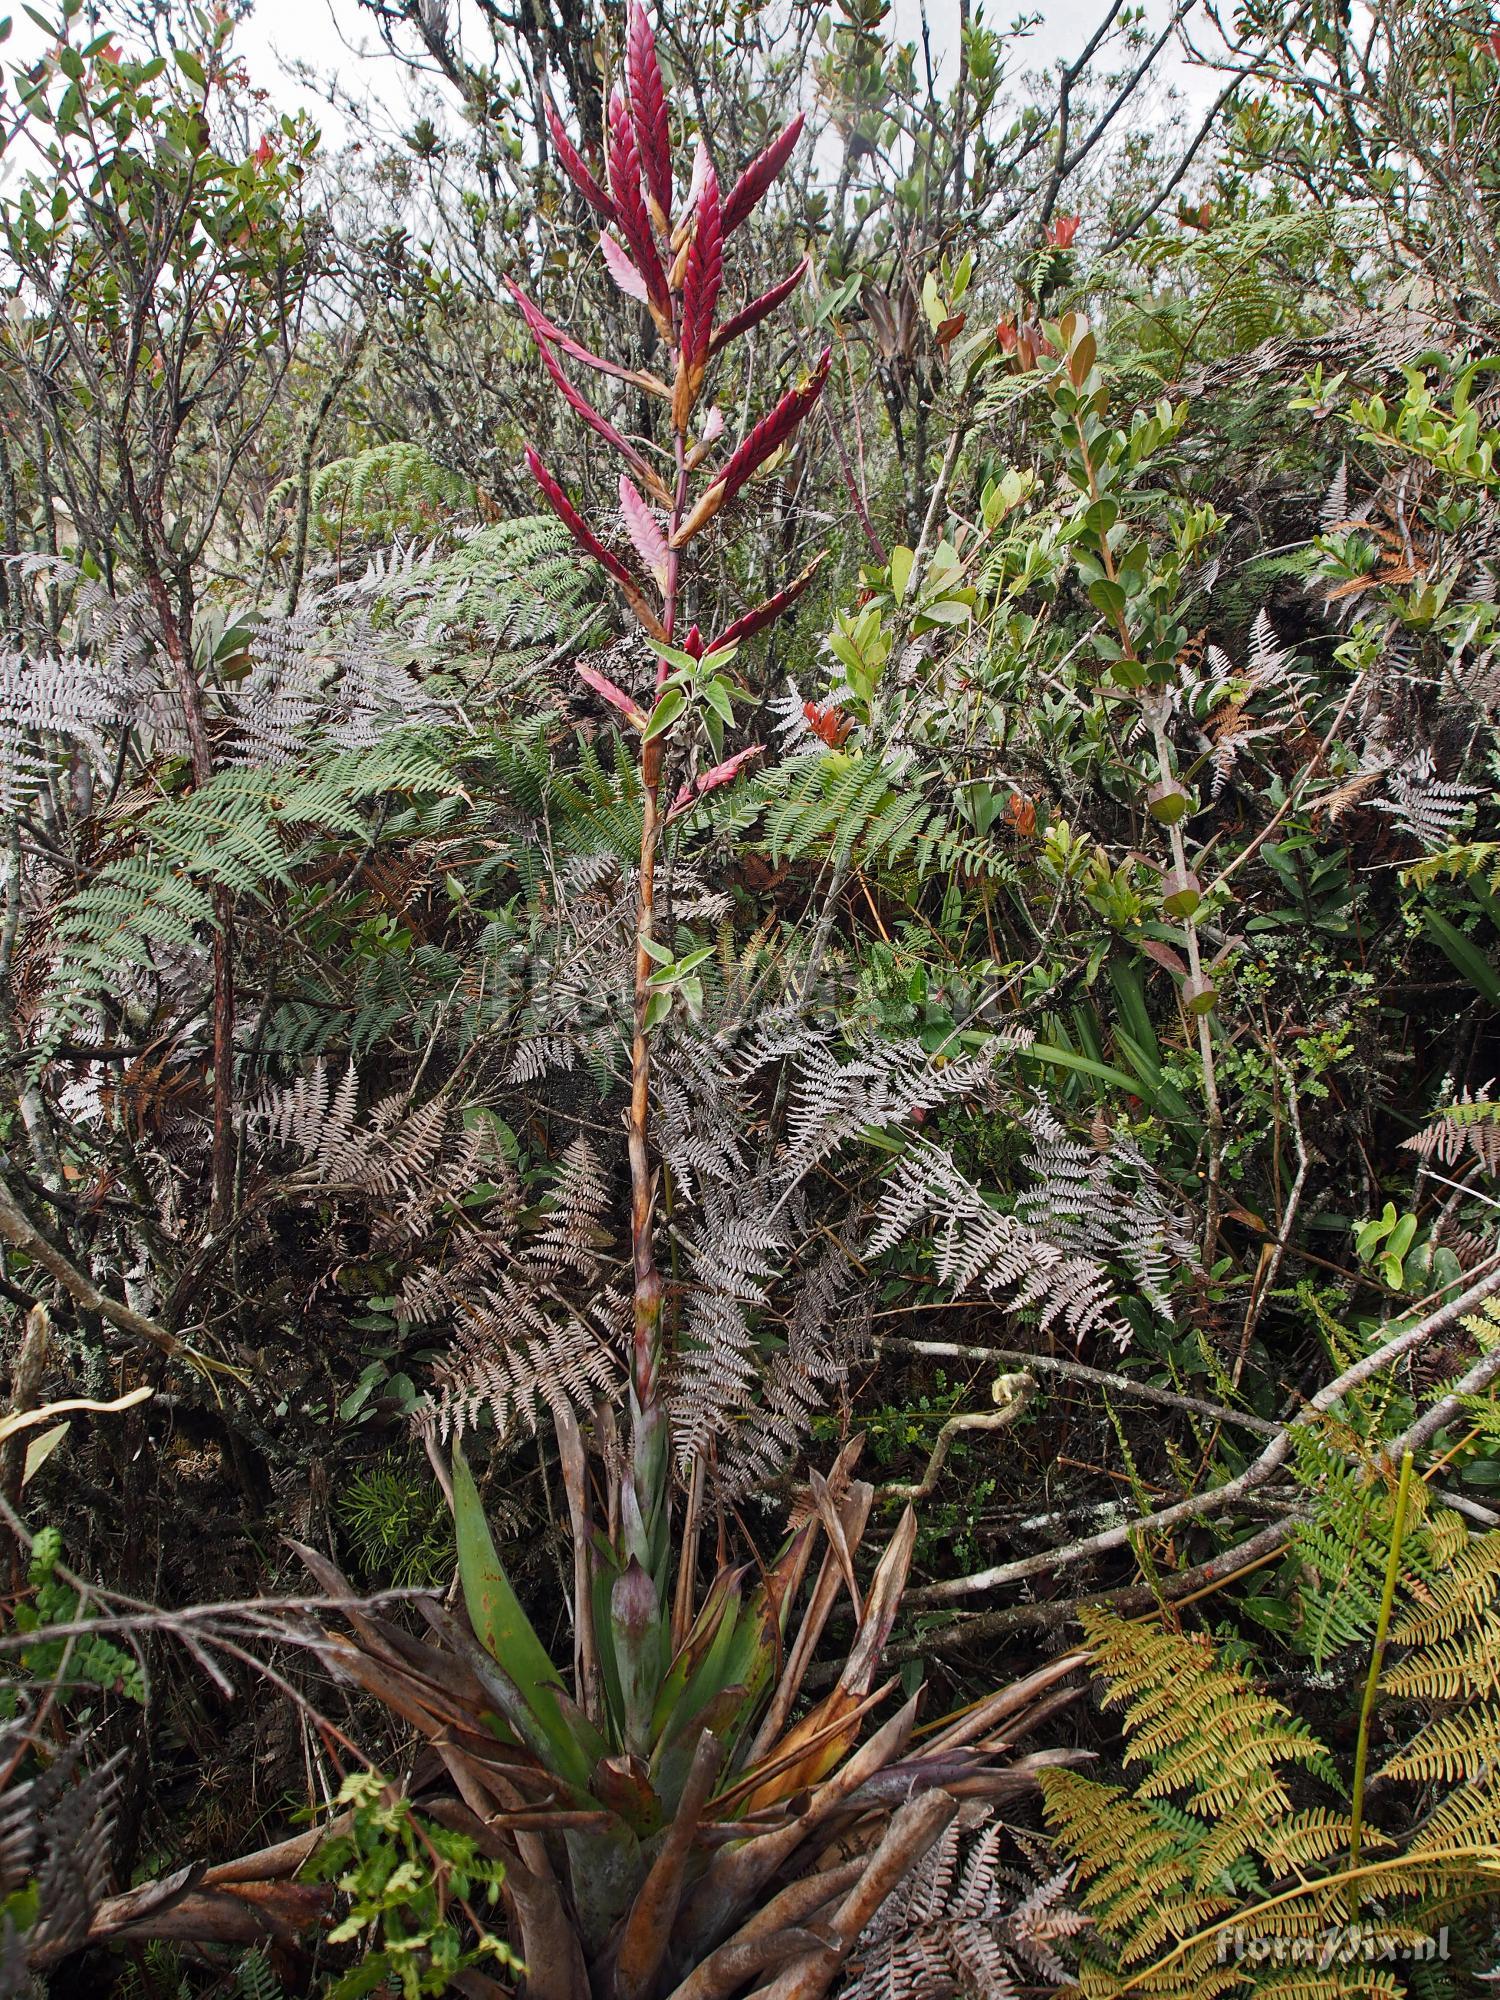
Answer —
(670, 260)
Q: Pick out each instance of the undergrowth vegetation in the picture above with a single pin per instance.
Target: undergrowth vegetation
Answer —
(749, 978)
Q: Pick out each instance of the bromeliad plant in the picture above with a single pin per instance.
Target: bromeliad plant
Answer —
(670, 1824)
(669, 1830)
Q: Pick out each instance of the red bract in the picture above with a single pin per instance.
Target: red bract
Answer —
(769, 434)
(758, 176)
(576, 167)
(1063, 230)
(630, 207)
(648, 112)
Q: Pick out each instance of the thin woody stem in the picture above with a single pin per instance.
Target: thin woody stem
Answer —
(1214, 1115)
(646, 1358)
(190, 698)
(1212, 1107)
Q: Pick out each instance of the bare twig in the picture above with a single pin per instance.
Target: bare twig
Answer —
(21, 1233)
(1219, 1499)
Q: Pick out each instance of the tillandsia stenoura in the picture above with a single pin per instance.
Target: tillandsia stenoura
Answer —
(671, 1824)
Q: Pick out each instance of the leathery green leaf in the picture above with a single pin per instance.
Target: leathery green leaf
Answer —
(699, 1663)
(504, 1630)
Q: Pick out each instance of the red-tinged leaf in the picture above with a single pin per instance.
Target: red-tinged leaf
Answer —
(1164, 955)
(600, 425)
(576, 167)
(1020, 813)
(544, 328)
(648, 110)
(751, 622)
(704, 275)
(758, 176)
(620, 268)
(630, 204)
(587, 540)
(645, 532)
(828, 724)
(775, 428)
(756, 311)
(710, 781)
(614, 694)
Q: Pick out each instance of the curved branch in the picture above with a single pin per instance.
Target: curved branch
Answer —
(1220, 1498)
(22, 1234)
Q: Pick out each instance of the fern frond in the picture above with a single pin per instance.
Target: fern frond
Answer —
(974, 1243)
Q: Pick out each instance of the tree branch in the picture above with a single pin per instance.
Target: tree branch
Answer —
(1219, 1499)
(22, 1234)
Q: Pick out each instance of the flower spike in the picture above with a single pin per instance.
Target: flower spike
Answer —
(630, 208)
(576, 166)
(620, 268)
(751, 622)
(648, 113)
(772, 431)
(758, 176)
(590, 543)
(710, 781)
(613, 693)
(645, 533)
(756, 311)
(700, 293)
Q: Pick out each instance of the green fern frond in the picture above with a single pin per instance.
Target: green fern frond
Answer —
(255, 1979)
(246, 831)
(1341, 1550)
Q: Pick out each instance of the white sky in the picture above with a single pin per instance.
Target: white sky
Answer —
(337, 38)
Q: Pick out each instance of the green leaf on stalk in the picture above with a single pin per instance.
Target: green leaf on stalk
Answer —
(1466, 956)
(670, 704)
(717, 693)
